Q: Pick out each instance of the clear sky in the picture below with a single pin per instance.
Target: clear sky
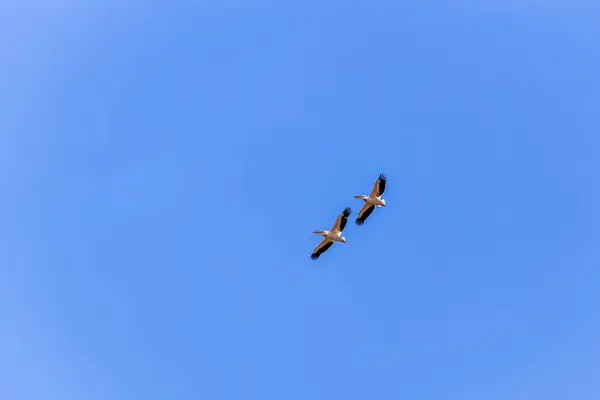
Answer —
(162, 168)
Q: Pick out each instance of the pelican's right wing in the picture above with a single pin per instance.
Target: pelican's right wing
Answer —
(364, 213)
(321, 248)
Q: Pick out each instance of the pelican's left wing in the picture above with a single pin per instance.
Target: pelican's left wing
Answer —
(341, 221)
(379, 186)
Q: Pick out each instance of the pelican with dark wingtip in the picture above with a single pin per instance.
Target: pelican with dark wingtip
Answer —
(372, 200)
(333, 235)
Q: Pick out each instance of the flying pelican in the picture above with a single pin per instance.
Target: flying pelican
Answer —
(374, 199)
(333, 235)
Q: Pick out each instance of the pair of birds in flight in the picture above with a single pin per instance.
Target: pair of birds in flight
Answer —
(335, 233)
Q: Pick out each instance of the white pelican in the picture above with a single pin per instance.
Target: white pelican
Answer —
(333, 235)
(373, 200)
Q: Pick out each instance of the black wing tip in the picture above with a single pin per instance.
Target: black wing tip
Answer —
(382, 177)
(359, 222)
(347, 211)
(322, 250)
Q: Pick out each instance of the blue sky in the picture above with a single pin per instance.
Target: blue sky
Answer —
(162, 168)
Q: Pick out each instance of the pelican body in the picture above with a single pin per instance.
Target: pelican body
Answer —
(332, 235)
(335, 236)
(372, 200)
(375, 201)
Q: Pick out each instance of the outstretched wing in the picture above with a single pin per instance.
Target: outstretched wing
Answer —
(340, 222)
(379, 186)
(364, 213)
(321, 248)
